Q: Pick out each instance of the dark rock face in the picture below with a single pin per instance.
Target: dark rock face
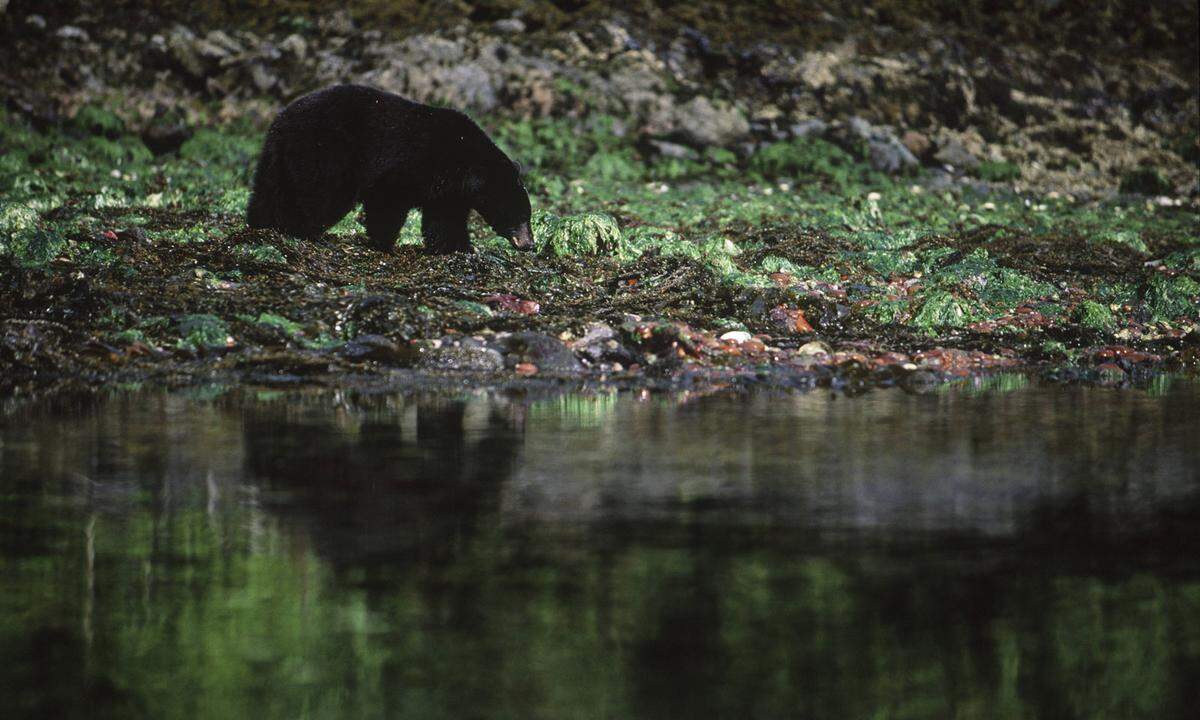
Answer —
(1027, 103)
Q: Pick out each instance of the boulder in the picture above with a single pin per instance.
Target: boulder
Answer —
(705, 122)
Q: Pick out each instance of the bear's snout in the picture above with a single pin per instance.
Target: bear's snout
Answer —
(522, 237)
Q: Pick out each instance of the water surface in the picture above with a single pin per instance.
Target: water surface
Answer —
(1004, 551)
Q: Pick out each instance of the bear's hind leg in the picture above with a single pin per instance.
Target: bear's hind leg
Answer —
(384, 221)
(444, 228)
(269, 183)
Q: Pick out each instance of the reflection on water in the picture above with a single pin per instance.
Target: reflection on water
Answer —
(1017, 554)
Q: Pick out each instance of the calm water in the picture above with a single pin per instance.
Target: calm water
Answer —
(1003, 552)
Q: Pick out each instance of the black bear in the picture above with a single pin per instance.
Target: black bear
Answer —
(346, 144)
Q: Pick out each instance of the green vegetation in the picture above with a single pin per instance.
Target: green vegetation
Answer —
(1094, 316)
(202, 331)
(709, 238)
(998, 171)
(585, 234)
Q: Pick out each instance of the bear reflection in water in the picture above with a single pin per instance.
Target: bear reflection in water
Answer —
(391, 487)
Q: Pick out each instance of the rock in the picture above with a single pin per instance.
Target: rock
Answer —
(262, 78)
(295, 46)
(816, 347)
(546, 352)
(181, 46)
(672, 150)
(600, 343)
(959, 150)
(608, 38)
(513, 304)
(509, 26)
(219, 44)
(163, 135)
(373, 347)
(812, 127)
(1110, 374)
(594, 333)
(637, 85)
(956, 156)
(885, 152)
(816, 69)
(432, 69)
(917, 143)
(789, 320)
(704, 122)
(37, 22)
(736, 336)
(339, 22)
(134, 234)
(72, 33)
(462, 359)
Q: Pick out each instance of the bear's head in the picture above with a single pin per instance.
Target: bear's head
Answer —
(497, 193)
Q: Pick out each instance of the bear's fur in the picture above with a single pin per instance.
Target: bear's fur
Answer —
(346, 144)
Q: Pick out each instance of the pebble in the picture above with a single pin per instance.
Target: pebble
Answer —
(816, 347)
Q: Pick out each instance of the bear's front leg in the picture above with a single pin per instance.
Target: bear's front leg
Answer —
(384, 220)
(444, 228)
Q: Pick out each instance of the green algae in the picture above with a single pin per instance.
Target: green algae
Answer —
(703, 238)
(583, 234)
(1094, 316)
(809, 158)
(201, 331)
(278, 321)
(942, 309)
(1172, 298)
(261, 253)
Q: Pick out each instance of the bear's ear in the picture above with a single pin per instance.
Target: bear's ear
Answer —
(519, 168)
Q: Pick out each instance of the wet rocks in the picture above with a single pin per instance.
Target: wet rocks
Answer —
(789, 320)
(377, 348)
(545, 352)
(462, 358)
(602, 344)
(815, 348)
(512, 304)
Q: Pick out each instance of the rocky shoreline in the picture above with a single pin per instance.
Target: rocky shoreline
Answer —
(1032, 210)
(1041, 119)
